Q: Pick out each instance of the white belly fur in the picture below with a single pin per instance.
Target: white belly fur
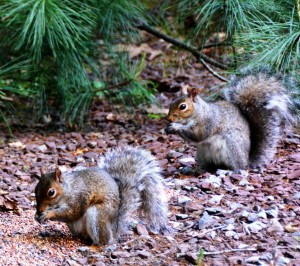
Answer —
(212, 151)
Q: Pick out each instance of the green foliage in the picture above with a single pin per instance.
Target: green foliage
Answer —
(274, 39)
(222, 16)
(5, 101)
(54, 46)
(156, 116)
(200, 257)
(259, 31)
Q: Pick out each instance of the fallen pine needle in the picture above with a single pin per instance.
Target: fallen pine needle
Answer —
(229, 250)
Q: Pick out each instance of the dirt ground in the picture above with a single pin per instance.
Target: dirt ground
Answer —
(217, 218)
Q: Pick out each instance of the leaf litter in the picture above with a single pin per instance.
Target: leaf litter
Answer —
(219, 218)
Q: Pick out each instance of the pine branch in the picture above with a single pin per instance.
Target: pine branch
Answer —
(200, 56)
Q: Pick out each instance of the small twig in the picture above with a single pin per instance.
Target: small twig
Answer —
(212, 71)
(176, 42)
(212, 229)
(200, 56)
(229, 250)
(206, 231)
(123, 83)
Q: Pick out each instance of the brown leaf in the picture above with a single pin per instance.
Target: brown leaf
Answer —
(7, 204)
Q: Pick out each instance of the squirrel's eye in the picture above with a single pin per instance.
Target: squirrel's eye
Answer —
(51, 193)
(182, 106)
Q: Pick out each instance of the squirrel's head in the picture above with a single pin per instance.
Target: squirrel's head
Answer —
(181, 108)
(48, 191)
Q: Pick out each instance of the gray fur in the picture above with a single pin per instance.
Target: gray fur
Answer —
(221, 133)
(137, 174)
(244, 129)
(265, 102)
(96, 202)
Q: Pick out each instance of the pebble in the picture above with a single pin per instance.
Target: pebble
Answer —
(252, 217)
(181, 216)
(270, 198)
(144, 254)
(282, 261)
(42, 148)
(296, 195)
(229, 221)
(173, 154)
(272, 212)
(262, 214)
(254, 227)
(253, 259)
(235, 205)
(187, 160)
(183, 200)
(111, 248)
(141, 229)
(92, 144)
(189, 188)
(180, 182)
(244, 182)
(121, 254)
(221, 172)
(214, 180)
(215, 210)
(170, 239)
(205, 221)
(191, 257)
(275, 226)
(230, 233)
(187, 170)
(83, 250)
(216, 199)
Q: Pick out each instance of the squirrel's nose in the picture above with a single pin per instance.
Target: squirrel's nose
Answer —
(37, 217)
(170, 118)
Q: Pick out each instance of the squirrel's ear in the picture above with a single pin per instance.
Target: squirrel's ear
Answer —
(193, 95)
(184, 90)
(43, 171)
(58, 176)
(35, 175)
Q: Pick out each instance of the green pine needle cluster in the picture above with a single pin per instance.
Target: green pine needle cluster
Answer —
(53, 46)
(259, 31)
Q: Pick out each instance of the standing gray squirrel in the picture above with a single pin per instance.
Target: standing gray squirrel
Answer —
(243, 129)
(96, 202)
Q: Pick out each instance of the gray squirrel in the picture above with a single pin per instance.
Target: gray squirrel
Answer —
(240, 131)
(96, 202)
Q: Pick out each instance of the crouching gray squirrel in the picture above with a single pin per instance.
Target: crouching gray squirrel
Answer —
(96, 202)
(243, 129)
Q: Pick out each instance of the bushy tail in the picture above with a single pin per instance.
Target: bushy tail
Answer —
(141, 189)
(264, 99)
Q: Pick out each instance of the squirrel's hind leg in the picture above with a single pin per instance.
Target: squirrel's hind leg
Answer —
(238, 150)
(98, 224)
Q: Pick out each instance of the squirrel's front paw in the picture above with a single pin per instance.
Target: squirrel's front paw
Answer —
(41, 218)
(169, 129)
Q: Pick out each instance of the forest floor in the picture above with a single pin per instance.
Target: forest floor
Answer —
(217, 218)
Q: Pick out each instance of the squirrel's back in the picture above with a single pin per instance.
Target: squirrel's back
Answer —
(264, 100)
(137, 174)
